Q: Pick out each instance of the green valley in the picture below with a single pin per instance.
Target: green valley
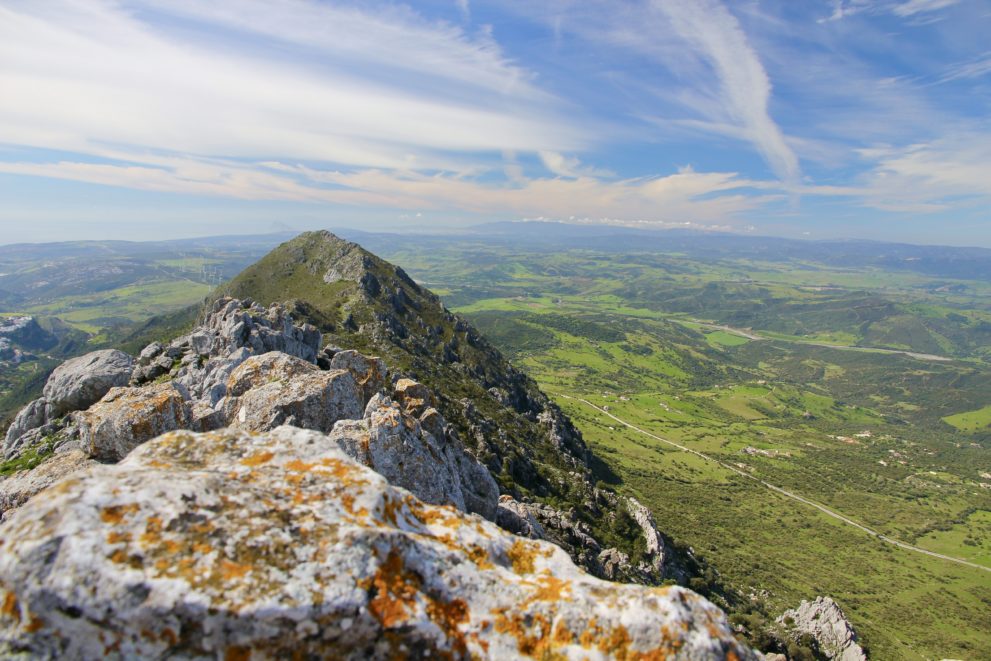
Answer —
(833, 384)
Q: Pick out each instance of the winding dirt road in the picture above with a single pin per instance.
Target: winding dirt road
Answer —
(787, 494)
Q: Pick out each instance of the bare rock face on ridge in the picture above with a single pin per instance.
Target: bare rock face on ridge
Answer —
(538, 458)
(229, 544)
(825, 621)
(74, 385)
(127, 417)
(413, 447)
(79, 382)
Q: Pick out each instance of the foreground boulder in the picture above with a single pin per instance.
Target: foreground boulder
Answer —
(824, 620)
(232, 545)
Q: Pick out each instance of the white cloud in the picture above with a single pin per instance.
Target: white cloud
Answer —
(952, 172)
(80, 75)
(980, 66)
(718, 75)
(322, 104)
(912, 7)
(930, 176)
(569, 166)
(684, 196)
(717, 37)
(903, 8)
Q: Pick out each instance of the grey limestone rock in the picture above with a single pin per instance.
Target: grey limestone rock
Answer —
(612, 563)
(437, 471)
(80, 382)
(370, 373)
(657, 551)
(315, 400)
(233, 545)
(32, 416)
(19, 487)
(515, 517)
(825, 621)
(267, 368)
(127, 417)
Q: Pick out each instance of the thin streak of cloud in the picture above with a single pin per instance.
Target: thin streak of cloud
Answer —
(902, 8)
(686, 195)
(716, 34)
(67, 87)
(976, 68)
(913, 7)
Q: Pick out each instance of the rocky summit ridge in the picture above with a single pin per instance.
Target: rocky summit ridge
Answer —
(175, 502)
(544, 471)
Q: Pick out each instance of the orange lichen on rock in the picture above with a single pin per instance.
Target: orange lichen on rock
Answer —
(114, 514)
(551, 588)
(9, 607)
(530, 631)
(449, 617)
(116, 537)
(523, 556)
(258, 458)
(479, 556)
(231, 571)
(395, 591)
(282, 560)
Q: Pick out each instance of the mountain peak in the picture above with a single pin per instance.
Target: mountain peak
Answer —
(361, 302)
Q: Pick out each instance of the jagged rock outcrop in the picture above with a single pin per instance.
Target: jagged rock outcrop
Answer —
(231, 332)
(657, 553)
(26, 332)
(540, 521)
(230, 545)
(312, 400)
(500, 416)
(74, 385)
(32, 417)
(407, 441)
(825, 621)
(437, 470)
(473, 426)
(518, 519)
(371, 374)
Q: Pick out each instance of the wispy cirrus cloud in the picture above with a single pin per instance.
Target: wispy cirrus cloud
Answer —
(711, 197)
(334, 105)
(77, 75)
(903, 8)
(930, 176)
(974, 68)
(717, 37)
(949, 172)
(719, 77)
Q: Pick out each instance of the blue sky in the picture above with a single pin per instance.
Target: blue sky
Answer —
(815, 118)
